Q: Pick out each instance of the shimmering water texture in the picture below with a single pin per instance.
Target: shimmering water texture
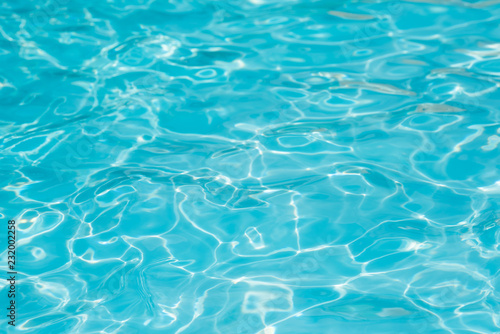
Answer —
(257, 166)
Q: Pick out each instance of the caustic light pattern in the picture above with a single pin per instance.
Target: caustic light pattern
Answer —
(252, 166)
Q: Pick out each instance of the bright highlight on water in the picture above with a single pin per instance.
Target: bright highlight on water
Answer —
(250, 166)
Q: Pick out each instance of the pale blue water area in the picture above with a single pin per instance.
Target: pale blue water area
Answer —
(251, 166)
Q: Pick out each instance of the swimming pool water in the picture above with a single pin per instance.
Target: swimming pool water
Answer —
(252, 166)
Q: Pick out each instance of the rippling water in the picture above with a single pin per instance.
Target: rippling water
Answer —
(257, 166)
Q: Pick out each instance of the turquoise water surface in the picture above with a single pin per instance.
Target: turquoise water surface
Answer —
(251, 166)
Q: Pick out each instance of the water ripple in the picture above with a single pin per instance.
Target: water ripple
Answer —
(253, 166)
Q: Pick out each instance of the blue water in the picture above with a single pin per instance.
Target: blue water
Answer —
(252, 166)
